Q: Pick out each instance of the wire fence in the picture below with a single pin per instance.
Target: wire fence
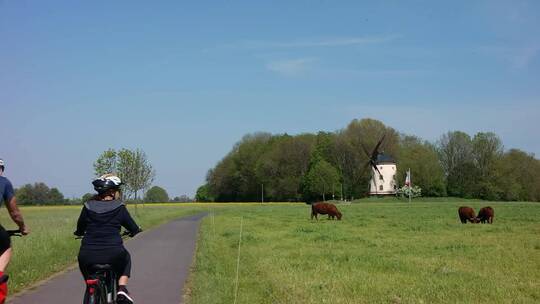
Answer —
(238, 260)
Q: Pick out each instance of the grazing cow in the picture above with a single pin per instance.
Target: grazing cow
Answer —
(325, 208)
(486, 214)
(467, 213)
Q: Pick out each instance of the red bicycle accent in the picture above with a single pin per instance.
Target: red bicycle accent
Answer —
(3, 289)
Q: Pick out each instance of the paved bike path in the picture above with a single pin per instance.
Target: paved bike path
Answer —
(161, 259)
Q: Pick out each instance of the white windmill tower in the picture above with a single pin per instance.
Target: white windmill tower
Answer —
(383, 172)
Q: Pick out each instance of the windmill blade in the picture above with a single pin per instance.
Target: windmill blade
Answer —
(368, 163)
(375, 166)
(376, 150)
(365, 150)
(376, 179)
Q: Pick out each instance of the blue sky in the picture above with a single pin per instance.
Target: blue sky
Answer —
(185, 81)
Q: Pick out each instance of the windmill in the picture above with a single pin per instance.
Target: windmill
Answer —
(383, 171)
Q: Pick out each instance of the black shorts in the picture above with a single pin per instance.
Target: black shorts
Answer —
(118, 257)
(5, 240)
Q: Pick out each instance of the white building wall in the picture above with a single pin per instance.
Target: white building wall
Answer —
(388, 184)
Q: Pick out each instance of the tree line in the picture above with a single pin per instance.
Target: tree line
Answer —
(40, 194)
(309, 167)
(132, 166)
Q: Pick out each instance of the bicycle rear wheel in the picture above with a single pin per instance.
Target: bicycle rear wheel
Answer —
(89, 298)
(97, 296)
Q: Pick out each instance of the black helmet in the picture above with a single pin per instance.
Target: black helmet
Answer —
(107, 182)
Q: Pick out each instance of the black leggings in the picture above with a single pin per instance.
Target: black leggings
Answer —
(5, 241)
(118, 257)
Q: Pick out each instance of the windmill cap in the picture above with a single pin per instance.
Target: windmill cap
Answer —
(385, 159)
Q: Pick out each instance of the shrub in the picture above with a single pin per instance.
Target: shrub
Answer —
(407, 191)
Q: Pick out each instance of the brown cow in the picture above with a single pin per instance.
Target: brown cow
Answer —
(325, 208)
(486, 214)
(467, 213)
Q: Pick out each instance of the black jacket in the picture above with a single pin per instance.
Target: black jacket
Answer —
(100, 223)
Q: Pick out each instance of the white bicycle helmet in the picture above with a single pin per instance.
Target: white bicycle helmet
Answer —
(107, 182)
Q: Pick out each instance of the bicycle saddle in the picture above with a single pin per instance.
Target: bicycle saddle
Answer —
(101, 267)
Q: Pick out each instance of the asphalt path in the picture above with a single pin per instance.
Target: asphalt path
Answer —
(161, 259)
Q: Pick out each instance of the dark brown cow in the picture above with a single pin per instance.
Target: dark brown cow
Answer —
(325, 208)
(467, 214)
(486, 214)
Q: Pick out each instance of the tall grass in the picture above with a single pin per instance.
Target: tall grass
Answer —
(378, 253)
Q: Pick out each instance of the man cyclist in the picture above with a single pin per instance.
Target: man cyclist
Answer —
(7, 195)
(99, 223)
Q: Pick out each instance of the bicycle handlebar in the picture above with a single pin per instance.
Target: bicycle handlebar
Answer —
(131, 233)
(14, 232)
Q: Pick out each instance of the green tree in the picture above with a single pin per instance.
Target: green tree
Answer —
(223, 181)
(322, 178)
(426, 170)
(347, 161)
(282, 169)
(182, 199)
(456, 156)
(203, 194)
(106, 163)
(156, 194)
(24, 195)
(132, 166)
(55, 196)
(135, 170)
(246, 155)
(235, 177)
(519, 176)
(86, 197)
(487, 153)
(39, 194)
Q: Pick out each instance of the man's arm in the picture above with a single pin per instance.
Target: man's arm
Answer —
(16, 215)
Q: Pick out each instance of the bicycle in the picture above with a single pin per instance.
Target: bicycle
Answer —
(102, 284)
(4, 278)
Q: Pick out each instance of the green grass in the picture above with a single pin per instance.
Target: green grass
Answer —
(380, 253)
(386, 199)
(51, 246)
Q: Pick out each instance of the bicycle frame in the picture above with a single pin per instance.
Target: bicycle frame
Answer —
(101, 288)
(102, 284)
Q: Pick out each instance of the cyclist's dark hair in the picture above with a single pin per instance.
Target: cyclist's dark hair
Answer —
(2, 168)
(116, 193)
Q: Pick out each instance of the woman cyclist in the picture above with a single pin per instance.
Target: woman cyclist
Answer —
(100, 223)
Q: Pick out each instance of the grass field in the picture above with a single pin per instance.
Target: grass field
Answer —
(51, 246)
(380, 253)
